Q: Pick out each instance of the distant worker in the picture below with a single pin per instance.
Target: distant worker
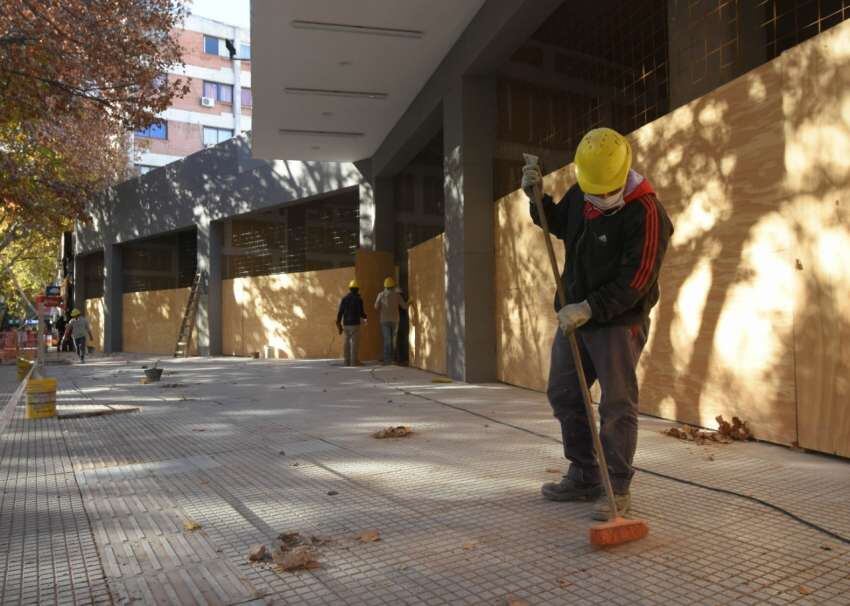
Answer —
(388, 303)
(615, 233)
(348, 320)
(61, 324)
(78, 328)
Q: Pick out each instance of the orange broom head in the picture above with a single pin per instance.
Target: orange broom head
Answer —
(617, 531)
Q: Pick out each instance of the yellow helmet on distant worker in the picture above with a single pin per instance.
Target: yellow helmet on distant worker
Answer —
(603, 159)
(353, 284)
(389, 283)
(75, 313)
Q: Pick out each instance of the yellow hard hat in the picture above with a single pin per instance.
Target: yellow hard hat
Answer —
(389, 283)
(603, 159)
(75, 313)
(353, 284)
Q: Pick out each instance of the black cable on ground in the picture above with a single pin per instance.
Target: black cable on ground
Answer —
(658, 474)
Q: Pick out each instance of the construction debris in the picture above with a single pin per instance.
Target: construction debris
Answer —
(302, 557)
(292, 552)
(369, 536)
(726, 433)
(191, 525)
(399, 431)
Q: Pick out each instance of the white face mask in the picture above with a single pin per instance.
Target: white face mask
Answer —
(606, 203)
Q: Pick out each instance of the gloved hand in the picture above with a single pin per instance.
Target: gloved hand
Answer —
(532, 180)
(339, 327)
(574, 315)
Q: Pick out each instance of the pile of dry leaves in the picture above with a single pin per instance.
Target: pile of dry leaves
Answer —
(736, 431)
(399, 431)
(291, 551)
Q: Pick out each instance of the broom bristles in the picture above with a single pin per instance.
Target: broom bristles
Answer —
(618, 531)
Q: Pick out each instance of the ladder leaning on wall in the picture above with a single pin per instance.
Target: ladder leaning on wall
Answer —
(187, 324)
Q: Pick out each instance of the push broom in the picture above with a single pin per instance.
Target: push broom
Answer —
(617, 529)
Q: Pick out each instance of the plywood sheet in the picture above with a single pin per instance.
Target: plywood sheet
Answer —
(816, 78)
(284, 315)
(372, 267)
(151, 320)
(94, 313)
(722, 340)
(427, 283)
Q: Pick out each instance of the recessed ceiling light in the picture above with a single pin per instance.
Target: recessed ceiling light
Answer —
(327, 113)
(344, 63)
(349, 28)
(315, 147)
(359, 94)
(320, 133)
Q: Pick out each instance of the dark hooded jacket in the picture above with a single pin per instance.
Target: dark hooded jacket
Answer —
(613, 258)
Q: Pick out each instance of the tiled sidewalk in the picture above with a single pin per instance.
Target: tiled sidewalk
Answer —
(93, 509)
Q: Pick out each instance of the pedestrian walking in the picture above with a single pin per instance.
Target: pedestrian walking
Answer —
(387, 304)
(348, 320)
(78, 329)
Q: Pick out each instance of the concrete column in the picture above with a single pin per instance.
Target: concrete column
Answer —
(79, 282)
(113, 306)
(366, 201)
(384, 226)
(469, 142)
(208, 324)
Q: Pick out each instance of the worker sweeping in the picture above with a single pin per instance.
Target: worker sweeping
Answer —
(387, 304)
(615, 232)
(348, 320)
(77, 329)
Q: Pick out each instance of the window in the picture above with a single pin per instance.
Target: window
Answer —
(244, 51)
(144, 168)
(215, 46)
(247, 99)
(158, 130)
(220, 92)
(213, 135)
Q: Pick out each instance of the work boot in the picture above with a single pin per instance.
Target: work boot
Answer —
(570, 490)
(602, 510)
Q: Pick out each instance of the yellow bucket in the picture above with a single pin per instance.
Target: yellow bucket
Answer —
(41, 398)
(24, 366)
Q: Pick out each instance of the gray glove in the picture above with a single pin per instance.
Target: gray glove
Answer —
(532, 180)
(574, 315)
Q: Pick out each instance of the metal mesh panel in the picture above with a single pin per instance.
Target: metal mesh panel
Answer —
(160, 263)
(93, 275)
(789, 22)
(321, 234)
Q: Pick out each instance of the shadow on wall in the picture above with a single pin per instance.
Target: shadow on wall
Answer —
(94, 313)
(754, 312)
(293, 315)
(151, 321)
(214, 183)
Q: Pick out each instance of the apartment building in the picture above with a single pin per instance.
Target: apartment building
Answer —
(217, 107)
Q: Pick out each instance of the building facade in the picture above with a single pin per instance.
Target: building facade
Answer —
(219, 103)
(408, 124)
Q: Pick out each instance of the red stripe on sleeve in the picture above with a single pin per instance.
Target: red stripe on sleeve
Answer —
(650, 245)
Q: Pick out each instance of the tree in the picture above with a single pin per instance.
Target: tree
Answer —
(75, 77)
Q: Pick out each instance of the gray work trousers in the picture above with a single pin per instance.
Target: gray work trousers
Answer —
(350, 344)
(610, 355)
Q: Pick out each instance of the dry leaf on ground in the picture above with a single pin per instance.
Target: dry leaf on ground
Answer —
(440, 380)
(399, 431)
(564, 583)
(805, 590)
(737, 430)
(369, 536)
(470, 545)
(258, 553)
(553, 470)
(297, 558)
(515, 601)
(191, 525)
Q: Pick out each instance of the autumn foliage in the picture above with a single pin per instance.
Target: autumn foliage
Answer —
(76, 77)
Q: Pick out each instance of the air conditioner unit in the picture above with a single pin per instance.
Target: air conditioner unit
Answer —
(207, 101)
